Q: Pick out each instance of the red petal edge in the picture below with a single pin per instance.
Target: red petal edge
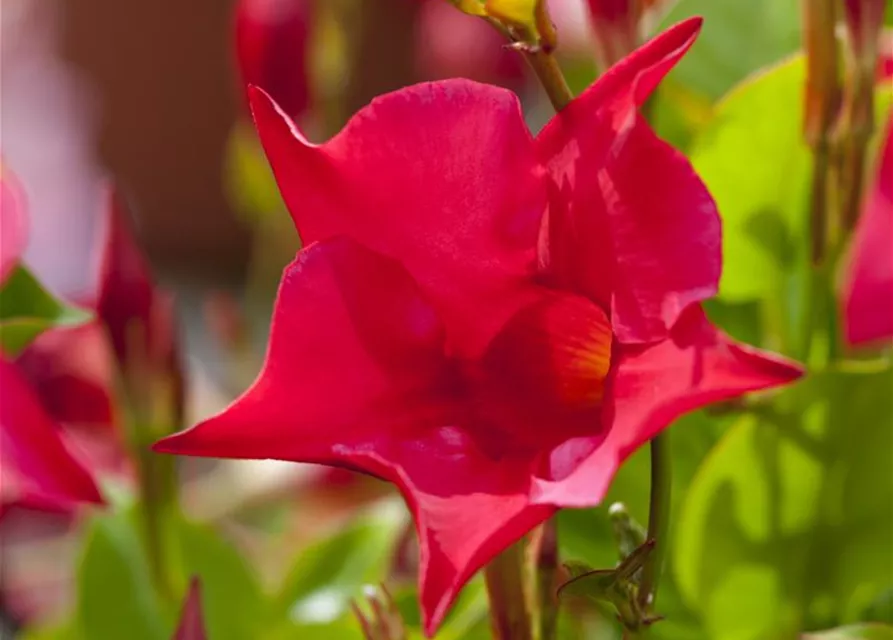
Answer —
(630, 224)
(440, 176)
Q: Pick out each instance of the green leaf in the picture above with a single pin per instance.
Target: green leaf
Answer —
(329, 573)
(27, 310)
(66, 631)
(116, 598)
(232, 600)
(752, 157)
(787, 523)
(739, 37)
(855, 632)
(251, 184)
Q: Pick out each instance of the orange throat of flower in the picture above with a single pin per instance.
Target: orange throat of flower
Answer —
(554, 354)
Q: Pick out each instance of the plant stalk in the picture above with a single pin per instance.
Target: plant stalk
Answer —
(509, 614)
(546, 572)
(549, 73)
(658, 518)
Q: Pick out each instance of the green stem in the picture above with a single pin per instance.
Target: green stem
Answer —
(158, 502)
(545, 66)
(546, 570)
(819, 201)
(547, 69)
(658, 518)
(509, 614)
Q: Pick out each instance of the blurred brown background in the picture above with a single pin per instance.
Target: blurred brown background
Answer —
(164, 74)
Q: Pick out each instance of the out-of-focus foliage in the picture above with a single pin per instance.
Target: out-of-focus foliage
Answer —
(27, 310)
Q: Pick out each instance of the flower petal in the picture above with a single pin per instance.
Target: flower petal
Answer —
(630, 224)
(467, 506)
(666, 236)
(13, 222)
(355, 358)
(440, 176)
(36, 466)
(356, 377)
(653, 385)
(868, 281)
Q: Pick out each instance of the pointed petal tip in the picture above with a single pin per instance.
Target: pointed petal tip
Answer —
(685, 32)
(173, 444)
(778, 370)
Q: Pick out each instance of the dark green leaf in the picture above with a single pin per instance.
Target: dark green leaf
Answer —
(27, 310)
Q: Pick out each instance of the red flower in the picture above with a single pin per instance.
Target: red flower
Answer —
(36, 469)
(490, 321)
(272, 37)
(868, 284)
(192, 625)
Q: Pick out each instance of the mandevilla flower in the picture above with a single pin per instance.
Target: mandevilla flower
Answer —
(272, 37)
(491, 321)
(868, 284)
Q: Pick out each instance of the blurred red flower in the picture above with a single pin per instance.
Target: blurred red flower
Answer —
(868, 281)
(272, 37)
(73, 370)
(192, 624)
(452, 44)
(490, 321)
(36, 469)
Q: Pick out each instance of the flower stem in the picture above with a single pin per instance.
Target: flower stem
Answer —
(658, 518)
(509, 614)
(547, 69)
(820, 109)
(544, 65)
(546, 569)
